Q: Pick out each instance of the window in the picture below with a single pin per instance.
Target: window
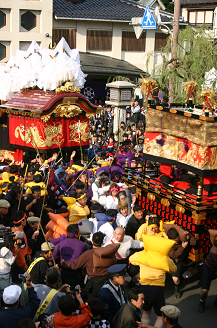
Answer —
(2, 19)
(28, 20)
(69, 35)
(200, 17)
(131, 43)
(99, 40)
(2, 51)
(160, 41)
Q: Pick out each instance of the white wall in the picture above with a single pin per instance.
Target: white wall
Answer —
(14, 35)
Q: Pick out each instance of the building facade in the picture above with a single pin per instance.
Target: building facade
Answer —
(199, 12)
(22, 21)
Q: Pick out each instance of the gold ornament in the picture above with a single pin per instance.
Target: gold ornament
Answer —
(190, 87)
(179, 208)
(89, 115)
(148, 87)
(68, 87)
(67, 111)
(151, 196)
(50, 131)
(165, 202)
(45, 118)
(74, 136)
(208, 96)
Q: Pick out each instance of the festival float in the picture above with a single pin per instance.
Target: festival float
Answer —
(41, 104)
(179, 178)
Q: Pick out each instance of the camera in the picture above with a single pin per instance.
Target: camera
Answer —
(44, 321)
(22, 276)
(6, 237)
(75, 290)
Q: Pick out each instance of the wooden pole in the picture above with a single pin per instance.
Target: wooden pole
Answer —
(175, 36)
(21, 194)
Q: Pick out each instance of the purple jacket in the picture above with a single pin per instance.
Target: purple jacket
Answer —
(69, 249)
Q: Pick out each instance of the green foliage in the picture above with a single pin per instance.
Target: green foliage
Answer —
(196, 54)
(168, 5)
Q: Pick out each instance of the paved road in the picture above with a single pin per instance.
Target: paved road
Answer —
(188, 303)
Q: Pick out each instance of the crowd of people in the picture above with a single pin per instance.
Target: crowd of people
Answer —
(82, 251)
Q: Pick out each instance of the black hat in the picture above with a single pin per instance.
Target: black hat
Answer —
(79, 185)
(127, 142)
(95, 135)
(117, 270)
(35, 188)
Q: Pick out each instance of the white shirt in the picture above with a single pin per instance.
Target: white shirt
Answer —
(125, 245)
(95, 192)
(103, 193)
(108, 231)
(111, 203)
(6, 260)
(122, 221)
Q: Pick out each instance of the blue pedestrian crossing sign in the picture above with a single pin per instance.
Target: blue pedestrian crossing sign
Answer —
(148, 21)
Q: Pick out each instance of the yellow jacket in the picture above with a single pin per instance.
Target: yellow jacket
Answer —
(145, 230)
(150, 276)
(78, 213)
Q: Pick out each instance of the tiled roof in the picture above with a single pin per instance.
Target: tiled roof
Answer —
(198, 1)
(99, 64)
(108, 10)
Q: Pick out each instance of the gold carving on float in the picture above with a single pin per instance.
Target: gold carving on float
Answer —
(74, 136)
(89, 115)
(45, 118)
(50, 134)
(165, 202)
(68, 87)
(198, 216)
(67, 111)
(179, 208)
(7, 154)
(151, 196)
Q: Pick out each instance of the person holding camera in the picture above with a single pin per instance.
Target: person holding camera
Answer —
(7, 260)
(48, 293)
(12, 312)
(66, 317)
(23, 257)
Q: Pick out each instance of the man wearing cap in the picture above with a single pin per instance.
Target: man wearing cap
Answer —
(34, 235)
(39, 265)
(112, 292)
(108, 227)
(4, 207)
(48, 293)
(12, 313)
(170, 316)
(70, 249)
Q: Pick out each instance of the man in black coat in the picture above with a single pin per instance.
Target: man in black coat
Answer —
(135, 221)
(130, 314)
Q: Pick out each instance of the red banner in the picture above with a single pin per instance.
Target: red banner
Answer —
(57, 132)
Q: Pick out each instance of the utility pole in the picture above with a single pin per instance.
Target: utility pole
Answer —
(175, 36)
